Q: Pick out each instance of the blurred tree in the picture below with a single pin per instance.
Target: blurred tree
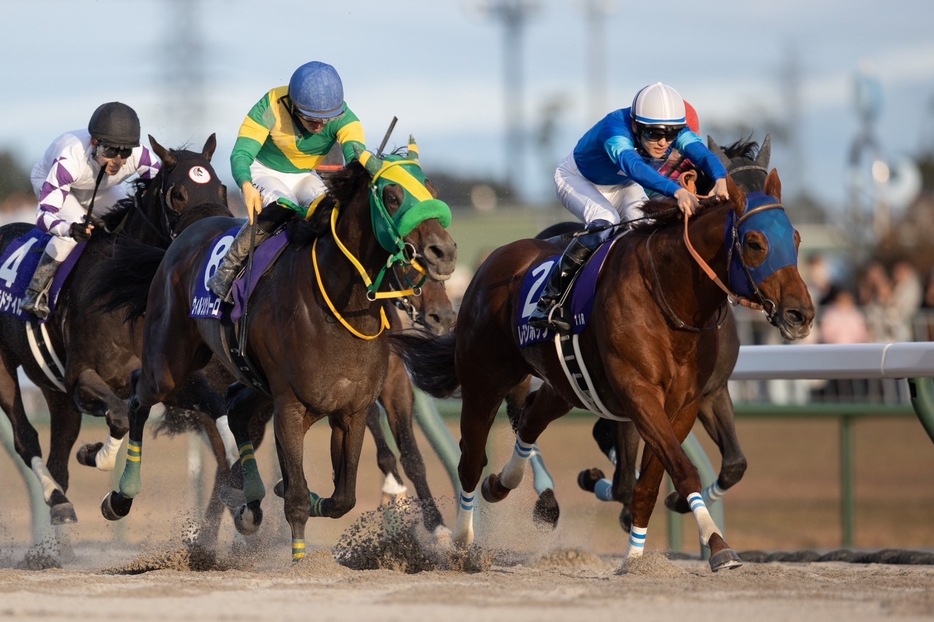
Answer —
(14, 178)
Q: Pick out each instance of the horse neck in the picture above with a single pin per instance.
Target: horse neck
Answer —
(146, 221)
(706, 234)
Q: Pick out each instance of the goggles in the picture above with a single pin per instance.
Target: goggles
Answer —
(310, 119)
(658, 132)
(109, 151)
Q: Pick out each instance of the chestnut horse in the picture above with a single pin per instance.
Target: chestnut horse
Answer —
(316, 338)
(635, 357)
(747, 162)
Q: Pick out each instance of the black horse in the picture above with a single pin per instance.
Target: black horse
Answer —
(316, 341)
(91, 353)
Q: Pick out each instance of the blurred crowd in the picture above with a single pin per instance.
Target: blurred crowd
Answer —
(874, 304)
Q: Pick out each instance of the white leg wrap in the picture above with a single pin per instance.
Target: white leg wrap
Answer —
(392, 486)
(637, 541)
(49, 485)
(227, 437)
(712, 493)
(705, 523)
(463, 525)
(106, 458)
(512, 473)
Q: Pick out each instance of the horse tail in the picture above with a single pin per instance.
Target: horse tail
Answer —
(429, 359)
(122, 282)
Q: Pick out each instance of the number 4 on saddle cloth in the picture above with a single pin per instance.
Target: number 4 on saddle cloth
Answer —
(206, 304)
(17, 265)
(580, 298)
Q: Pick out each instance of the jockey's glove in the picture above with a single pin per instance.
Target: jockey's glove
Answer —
(80, 232)
(252, 199)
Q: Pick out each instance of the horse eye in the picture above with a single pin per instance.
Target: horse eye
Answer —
(753, 244)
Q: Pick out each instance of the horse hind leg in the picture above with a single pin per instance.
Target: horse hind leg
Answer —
(245, 490)
(93, 396)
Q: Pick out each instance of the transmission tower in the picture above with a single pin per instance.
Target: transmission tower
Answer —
(183, 79)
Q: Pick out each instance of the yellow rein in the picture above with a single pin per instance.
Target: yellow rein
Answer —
(384, 321)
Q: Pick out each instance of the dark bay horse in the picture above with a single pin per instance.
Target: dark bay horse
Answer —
(640, 364)
(96, 351)
(317, 337)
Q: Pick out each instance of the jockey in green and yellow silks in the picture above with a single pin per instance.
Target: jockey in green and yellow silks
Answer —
(284, 138)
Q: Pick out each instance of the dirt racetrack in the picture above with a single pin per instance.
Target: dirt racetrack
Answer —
(789, 501)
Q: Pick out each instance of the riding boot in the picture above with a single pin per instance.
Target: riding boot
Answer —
(230, 266)
(37, 294)
(550, 312)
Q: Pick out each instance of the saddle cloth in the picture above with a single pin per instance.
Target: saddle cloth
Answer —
(17, 265)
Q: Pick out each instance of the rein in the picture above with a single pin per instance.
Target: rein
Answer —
(734, 246)
(372, 295)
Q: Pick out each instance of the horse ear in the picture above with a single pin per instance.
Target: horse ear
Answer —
(765, 152)
(209, 146)
(413, 148)
(168, 158)
(717, 151)
(369, 161)
(737, 196)
(773, 185)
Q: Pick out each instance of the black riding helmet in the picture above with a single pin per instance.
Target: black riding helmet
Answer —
(115, 124)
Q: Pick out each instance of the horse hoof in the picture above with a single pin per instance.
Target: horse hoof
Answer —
(492, 490)
(588, 478)
(725, 559)
(232, 497)
(675, 503)
(60, 508)
(87, 455)
(625, 519)
(443, 537)
(63, 514)
(279, 489)
(115, 506)
(546, 511)
(249, 518)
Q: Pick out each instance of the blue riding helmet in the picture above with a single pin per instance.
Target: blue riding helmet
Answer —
(316, 91)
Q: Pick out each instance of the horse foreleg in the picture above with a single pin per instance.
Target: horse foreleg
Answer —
(399, 416)
(288, 422)
(94, 396)
(478, 410)
(117, 504)
(347, 432)
(716, 415)
(393, 488)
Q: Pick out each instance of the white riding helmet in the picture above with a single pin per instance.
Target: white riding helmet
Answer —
(658, 104)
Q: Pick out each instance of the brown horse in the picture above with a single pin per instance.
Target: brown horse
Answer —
(747, 162)
(316, 339)
(639, 361)
(92, 351)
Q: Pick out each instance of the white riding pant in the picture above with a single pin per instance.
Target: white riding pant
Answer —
(299, 188)
(59, 248)
(589, 201)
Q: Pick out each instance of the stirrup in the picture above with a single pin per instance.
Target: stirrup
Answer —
(552, 320)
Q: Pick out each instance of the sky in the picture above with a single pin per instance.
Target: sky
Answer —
(438, 66)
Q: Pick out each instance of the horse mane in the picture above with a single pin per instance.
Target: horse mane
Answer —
(659, 212)
(342, 185)
(742, 148)
(121, 208)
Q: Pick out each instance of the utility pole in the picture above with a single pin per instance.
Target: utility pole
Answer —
(514, 15)
(597, 12)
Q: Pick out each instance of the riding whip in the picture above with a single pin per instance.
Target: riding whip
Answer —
(382, 145)
(244, 324)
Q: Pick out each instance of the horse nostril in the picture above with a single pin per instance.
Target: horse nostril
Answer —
(794, 317)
